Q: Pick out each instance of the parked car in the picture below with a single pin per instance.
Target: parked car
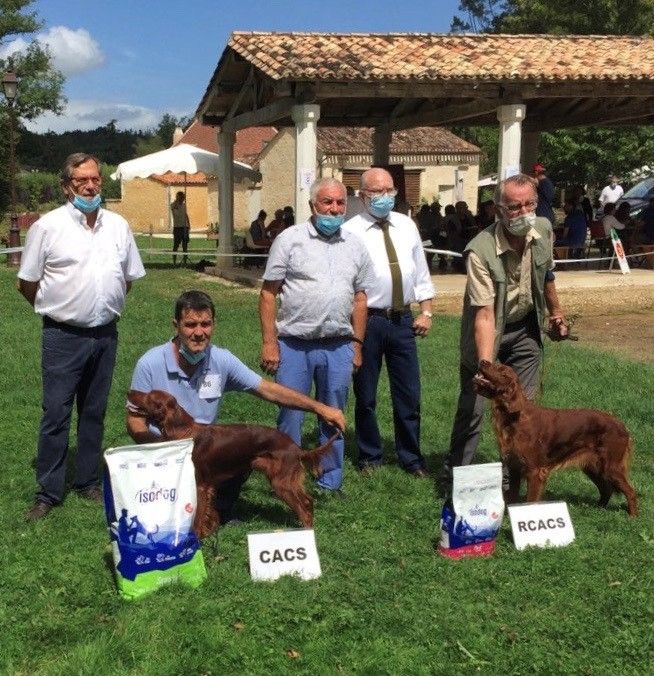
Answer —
(638, 196)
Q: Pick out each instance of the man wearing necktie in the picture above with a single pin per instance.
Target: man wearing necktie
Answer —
(401, 277)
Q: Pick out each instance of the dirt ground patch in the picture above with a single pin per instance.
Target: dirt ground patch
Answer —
(622, 323)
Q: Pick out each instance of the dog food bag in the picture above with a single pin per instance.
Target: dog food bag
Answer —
(150, 502)
(471, 521)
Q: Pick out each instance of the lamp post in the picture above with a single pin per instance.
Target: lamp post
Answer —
(10, 87)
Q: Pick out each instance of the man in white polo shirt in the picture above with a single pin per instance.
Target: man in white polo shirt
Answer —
(77, 267)
(611, 193)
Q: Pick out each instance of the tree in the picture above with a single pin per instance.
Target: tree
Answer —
(40, 85)
(592, 17)
(571, 155)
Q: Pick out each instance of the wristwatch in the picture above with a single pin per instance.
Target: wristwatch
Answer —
(427, 314)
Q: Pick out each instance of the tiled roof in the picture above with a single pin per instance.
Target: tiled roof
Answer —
(436, 57)
(247, 145)
(420, 140)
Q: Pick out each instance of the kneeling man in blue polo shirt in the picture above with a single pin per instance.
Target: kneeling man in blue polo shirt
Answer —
(198, 374)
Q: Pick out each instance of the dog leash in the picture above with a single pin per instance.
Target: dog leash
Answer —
(556, 338)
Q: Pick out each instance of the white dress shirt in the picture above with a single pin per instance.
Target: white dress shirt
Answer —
(416, 280)
(82, 272)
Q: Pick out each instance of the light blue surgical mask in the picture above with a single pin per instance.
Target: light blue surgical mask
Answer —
(192, 358)
(87, 205)
(380, 206)
(521, 225)
(327, 225)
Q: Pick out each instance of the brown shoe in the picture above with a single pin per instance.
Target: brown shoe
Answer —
(37, 511)
(419, 473)
(369, 470)
(92, 493)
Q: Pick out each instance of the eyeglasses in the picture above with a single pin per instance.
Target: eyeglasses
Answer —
(83, 180)
(379, 193)
(517, 207)
(328, 201)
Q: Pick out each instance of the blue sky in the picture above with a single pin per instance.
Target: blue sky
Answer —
(133, 60)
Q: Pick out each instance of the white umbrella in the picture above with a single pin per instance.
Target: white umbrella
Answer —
(180, 159)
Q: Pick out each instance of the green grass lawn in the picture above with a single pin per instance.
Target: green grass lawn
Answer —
(386, 603)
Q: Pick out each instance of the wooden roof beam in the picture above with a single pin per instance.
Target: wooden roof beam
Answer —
(444, 116)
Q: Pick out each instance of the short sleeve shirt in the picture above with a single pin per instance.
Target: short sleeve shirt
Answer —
(201, 394)
(82, 271)
(519, 299)
(321, 276)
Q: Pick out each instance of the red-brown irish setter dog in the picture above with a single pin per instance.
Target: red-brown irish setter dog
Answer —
(534, 440)
(221, 452)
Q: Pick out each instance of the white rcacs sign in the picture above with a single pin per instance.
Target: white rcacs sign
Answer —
(291, 552)
(541, 524)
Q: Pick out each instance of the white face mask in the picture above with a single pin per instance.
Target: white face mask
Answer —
(520, 225)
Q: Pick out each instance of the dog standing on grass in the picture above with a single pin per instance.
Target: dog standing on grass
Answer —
(224, 452)
(534, 440)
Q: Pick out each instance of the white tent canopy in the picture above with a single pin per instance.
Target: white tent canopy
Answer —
(180, 159)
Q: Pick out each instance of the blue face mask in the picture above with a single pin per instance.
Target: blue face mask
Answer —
(87, 205)
(327, 225)
(380, 206)
(192, 358)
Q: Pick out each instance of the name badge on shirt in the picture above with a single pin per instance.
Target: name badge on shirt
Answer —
(210, 386)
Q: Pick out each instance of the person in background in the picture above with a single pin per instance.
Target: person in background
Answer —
(466, 219)
(426, 225)
(509, 290)
(401, 277)
(545, 190)
(623, 214)
(315, 335)
(439, 233)
(574, 228)
(611, 193)
(486, 214)
(288, 216)
(582, 201)
(276, 225)
(181, 225)
(199, 374)
(455, 239)
(78, 264)
(258, 230)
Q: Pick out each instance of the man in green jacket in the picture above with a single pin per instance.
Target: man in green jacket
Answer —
(509, 290)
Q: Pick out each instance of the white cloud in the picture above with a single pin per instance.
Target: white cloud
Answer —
(85, 115)
(72, 51)
(17, 45)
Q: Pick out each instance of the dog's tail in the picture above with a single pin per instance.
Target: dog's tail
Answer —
(311, 459)
(626, 460)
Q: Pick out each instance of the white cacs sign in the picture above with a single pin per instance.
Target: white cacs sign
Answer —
(541, 524)
(291, 552)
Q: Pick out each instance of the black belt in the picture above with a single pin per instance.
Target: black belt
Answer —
(105, 329)
(389, 312)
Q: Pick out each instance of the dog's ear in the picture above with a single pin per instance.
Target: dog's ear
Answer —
(512, 396)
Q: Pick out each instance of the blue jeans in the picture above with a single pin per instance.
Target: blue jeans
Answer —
(76, 364)
(394, 340)
(328, 365)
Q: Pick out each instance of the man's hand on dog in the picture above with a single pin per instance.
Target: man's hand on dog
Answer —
(478, 380)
